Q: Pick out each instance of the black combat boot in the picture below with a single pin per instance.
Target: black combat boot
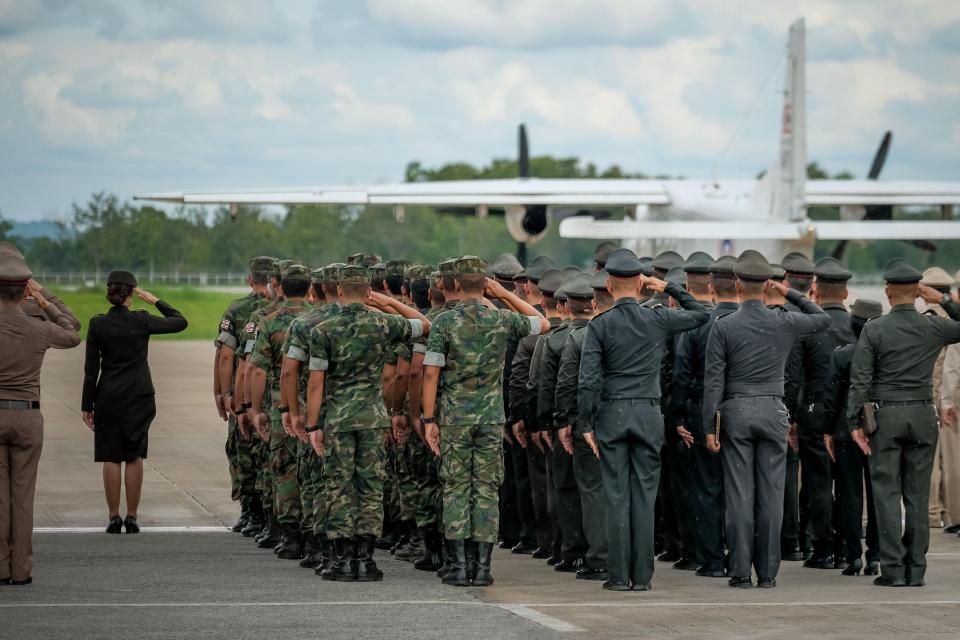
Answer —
(292, 546)
(341, 569)
(244, 518)
(446, 554)
(403, 537)
(457, 576)
(471, 559)
(482, 577)
(325, 554)
(366, 568)
(271, 535)
(413, 550)
(255, 521)
(432, 557)
(311, 551)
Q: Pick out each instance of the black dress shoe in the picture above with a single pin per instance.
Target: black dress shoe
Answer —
(766, 583)
(641, 587)
(507, 544)
(540, 553)
(740, 583)
(919, 582)
(523, 548)
(22, 583)
(4, 582)
(792, 556)
(610, 585)
(815, 562)
(567, 566)
(130, 524)
(887, 581)
(707, 572)
(685, 564)
(589, 573)
(952, 528)
(807, 554)
(553, 560)
(116, 525)
(668, 556)
(853, 568)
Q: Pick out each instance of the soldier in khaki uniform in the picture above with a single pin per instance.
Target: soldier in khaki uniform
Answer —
(25, 340)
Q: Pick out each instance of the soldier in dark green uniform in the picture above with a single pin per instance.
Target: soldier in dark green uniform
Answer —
(347, 355)
(267, 361)
(240, 444)
(892, 369)
(618, 400)
(586, 466)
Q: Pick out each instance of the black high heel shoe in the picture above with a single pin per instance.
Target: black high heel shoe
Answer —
(116, 525)
(131, 525)
(853, 568)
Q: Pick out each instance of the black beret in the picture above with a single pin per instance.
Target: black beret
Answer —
(698, 262)
(603, 251)
(599, 280)
(899, 271)
(667, 260)
(624, 263)
(866, 309)
(797, 264)
(830, 270)
(751, 265)
(723, 267)
(122, 277)
(550, 280)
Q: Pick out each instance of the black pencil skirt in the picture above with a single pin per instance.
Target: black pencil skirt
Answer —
(120, 429)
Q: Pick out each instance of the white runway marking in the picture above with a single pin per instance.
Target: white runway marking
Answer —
(540, 618)
(199, 529)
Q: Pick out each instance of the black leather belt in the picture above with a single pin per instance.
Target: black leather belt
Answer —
(901, 403)
(18, 405)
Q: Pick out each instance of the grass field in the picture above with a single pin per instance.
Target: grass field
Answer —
(201, 307)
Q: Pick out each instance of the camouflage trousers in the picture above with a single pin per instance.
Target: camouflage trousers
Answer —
(241, 457)
(430, 494)
(266, 482)
(413, 460)
(354, 471)
(284, 461)
(391, 484)
(313, 499)
(471, 470)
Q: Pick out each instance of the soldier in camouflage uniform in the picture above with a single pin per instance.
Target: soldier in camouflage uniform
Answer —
(464, 359)
(266, 363)
(293, 389)
(347, 355)
(239, 445)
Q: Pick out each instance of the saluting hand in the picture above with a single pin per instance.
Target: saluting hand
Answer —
(88, 419)
(779, 286)
(146, 296)
(493, 289)
(929, 294)
(654, 284)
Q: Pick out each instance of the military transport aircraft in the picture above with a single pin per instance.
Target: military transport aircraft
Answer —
(718, 216)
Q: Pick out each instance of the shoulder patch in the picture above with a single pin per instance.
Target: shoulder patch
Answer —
(250, 327)
(225, 325)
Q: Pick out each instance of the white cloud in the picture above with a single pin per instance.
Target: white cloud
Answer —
(14, 49)
(61, 119)
(356, 113)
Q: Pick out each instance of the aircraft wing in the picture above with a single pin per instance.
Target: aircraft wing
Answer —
(875, 192)
(585, 227)
(465, 193)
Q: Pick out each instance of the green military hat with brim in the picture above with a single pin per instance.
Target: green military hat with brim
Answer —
(262, 265)
(753, 266)
(580, 286)
(676, 276)
(624, 263)
(569, 272)
(698, 262)
(550, 281)
(646, 265)
(797, 264)
(365, 259)
(471, 265)
(830, 270)
(316, 275)
(778, 273)
(418, 272)
(899, 271)
(722, 267)
(598, 280)
(537, 266)
(448, 267)
(122, 277)
(355, 274)
(377, 272)
(667, 260)
(396, 267)
(506, 267)
(331, 273)
(603, 251)
(866, 309)
(937, 278)
(297, 273)
(14, 271)
(279, 266)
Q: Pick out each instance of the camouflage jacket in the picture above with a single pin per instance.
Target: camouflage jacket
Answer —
(268, 349)
(248, 337)
(352, 348)
(234, 320)
(296, 344)
(469, 342)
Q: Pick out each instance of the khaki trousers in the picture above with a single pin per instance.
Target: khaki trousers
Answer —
(945, 481)
(21, 439)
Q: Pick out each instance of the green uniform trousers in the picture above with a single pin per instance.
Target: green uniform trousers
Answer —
(586, 471)
(471, 470)
(242, 458)
(283, 466)
(430, 495)
(313, 499)
(354, 471)
(900, 469)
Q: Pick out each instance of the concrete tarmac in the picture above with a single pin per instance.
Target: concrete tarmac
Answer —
(186, 576)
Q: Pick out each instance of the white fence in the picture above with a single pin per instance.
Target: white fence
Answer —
(92, 278)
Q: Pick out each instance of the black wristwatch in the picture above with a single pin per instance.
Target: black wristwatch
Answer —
(284, 409)
(310, 428)
(242, 411)
(246, 405)
(424, 420)
(945, 299)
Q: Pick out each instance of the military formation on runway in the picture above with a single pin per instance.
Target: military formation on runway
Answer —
(720, 415)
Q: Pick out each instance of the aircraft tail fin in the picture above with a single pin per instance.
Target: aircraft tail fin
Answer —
(789, 181)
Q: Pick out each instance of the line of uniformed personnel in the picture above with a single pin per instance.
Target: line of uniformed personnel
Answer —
(703, 412)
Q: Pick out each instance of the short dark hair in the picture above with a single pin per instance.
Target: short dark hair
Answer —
(800, 283)
(395, 284)
(579, 307)
(330, 290)
(472, 282)
(449, 282)
(260, 277)
(724, 287)
(12, 292)
(549, 303)
(117, 293)
(698, 283)
(832, 289)
(603, 298)
(436, 295)
(319, 291)
(420, 292)
(295, 288)
(354, 289)
(752, 287)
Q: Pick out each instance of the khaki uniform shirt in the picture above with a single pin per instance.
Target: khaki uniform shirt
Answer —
(23, 341)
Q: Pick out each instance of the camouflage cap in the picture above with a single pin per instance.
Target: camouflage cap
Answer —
(417, 272)
(296, 273)
(280, 265)
(365, 259)
(331, 273)
(354, 274)
(316, 276)
(471, 264)
(262, 265)
(448, 267)
(396, 267)
(377, 272)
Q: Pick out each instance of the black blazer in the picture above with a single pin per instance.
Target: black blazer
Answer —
(117, 353)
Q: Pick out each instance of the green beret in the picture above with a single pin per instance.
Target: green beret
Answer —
(899, 271)
(698, 262)
(723, 267)
(262, 265)
(296, 273)
(866, 309)
(797, 264)
(751, 265)
(355, 274)
(471, 264)
(550, 281)
(396, 267)
(122, 277)
(667, 260)
(830, 270)
(603, 251)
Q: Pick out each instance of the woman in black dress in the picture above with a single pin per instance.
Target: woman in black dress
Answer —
(118, 395)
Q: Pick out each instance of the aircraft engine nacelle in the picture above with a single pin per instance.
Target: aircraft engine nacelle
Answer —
(527, 224)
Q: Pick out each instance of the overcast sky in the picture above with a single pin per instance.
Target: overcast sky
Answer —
(132, 96)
